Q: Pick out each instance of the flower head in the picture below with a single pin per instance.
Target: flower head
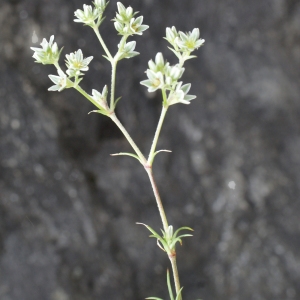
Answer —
(61, 81)
(126, 24)
(154, 82)
(159, 65)
(189, 41)
(76, 63)
(128, 50)
(100, 4)
(48, 54)
(171, 35)
(88, 15)
(180, 94)
(173, 73)
(100, 98)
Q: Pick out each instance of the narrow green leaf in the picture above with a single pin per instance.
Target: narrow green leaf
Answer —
(179, 294)
(169, 286)
(117, 102)
(99, 112)
(106, 57)
(182, 228)
(163, 150)
(127, 154)
(149, 228)
(154, 298)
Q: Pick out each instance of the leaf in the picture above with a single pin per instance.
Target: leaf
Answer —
(179, 294)
(163, 150)
(169, 286)
(182, 228)
(115, 104)
(127, 154)
(99, 112)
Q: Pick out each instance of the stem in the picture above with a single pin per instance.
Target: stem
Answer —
(96, 30)
(129, 139)
(164, 220)
(175, 274)
(156, 136)
(113, 83)
(158, 199)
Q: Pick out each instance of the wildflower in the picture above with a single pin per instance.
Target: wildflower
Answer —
(48, 54)
(101, 5)
(172, 74)
(179, 95)
(189, 41)
(76, 63)
(154, 82)
(100, 98)
(87, 16)
(126, 24)
(159, 64)
(61, 81)
(171, 35)
(128, 50)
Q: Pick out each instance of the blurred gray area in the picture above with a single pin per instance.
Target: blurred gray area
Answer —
(68, 209)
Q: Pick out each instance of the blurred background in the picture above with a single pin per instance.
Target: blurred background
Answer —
(68, 209)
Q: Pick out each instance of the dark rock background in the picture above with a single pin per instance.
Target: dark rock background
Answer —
(68, 209)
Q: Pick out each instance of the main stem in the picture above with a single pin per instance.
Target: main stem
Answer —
(157, 198)
(149, 171)
(175, 274)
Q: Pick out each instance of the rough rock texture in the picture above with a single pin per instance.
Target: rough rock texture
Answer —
(68, 209)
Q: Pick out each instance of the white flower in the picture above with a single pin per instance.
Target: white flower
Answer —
(61, 81)
(87, 16)
(189, 41)
(100, 4)
(171, 35)
(76, 63)
(159, 64)
(154, 82)
(128, 50)
(126, 24)
(100, 98)
(48, 54)
(179, 95)
(173, 73)
(136, 26)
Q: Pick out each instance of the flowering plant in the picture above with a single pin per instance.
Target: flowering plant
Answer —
(161, 76)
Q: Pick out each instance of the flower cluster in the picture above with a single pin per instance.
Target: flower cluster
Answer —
(91, 16)
(75, 64)
(165, 77)
(48, 54)
(184, 43)
(126, 24)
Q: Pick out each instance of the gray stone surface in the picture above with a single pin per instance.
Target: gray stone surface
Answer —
(68, 209)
